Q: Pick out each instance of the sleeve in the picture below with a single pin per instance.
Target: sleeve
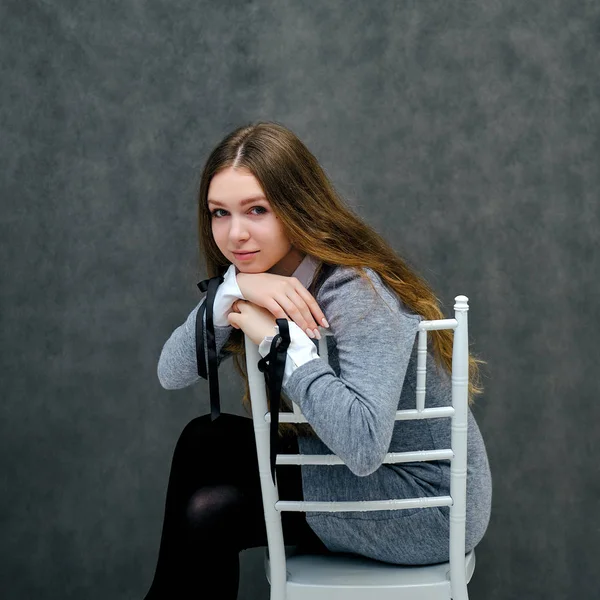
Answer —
(177, 367)
(300, 351)
(227, 293)
(354, 414)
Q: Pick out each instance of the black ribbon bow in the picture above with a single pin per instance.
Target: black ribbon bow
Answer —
(272, 365)
(210, 286)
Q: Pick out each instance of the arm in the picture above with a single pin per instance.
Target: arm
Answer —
(177, 367)
(353, 414)
(300, 351)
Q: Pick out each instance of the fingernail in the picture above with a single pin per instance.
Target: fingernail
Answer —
(317, 334)
(309, 333)
(324, 321)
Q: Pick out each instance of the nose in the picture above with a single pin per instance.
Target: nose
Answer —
(238, 230)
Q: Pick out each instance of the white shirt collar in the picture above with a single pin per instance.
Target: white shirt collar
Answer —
(306, 270)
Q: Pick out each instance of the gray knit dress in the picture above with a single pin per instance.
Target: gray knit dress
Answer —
(350, 401)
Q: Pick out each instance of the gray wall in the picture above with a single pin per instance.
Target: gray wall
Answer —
(465, 132)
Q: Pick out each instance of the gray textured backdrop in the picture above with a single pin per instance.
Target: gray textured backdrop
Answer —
(467, 133)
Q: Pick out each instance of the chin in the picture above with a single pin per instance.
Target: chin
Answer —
(250, 269)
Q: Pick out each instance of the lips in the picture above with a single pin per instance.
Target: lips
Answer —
(244, 253)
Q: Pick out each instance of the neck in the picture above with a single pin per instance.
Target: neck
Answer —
(288, 264)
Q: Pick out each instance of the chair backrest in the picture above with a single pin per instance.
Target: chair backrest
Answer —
(457, 453)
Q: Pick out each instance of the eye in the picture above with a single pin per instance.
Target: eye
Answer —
(216, 210)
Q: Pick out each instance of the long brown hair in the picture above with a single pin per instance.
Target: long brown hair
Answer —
(298, 189)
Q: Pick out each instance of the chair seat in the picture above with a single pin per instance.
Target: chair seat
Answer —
(340, 576)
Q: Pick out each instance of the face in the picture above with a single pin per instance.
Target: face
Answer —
(243, 221)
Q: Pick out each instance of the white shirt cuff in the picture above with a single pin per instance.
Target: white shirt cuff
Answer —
(301, 349)
(227, 293)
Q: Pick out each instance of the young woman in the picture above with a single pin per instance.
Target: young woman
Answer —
(286, 246)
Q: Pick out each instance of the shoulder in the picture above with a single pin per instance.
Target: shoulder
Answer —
(367, 290)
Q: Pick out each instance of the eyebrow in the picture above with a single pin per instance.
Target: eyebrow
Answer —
(243, 202)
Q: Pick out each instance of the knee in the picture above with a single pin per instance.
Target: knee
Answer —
(213, 502)
(215, 513)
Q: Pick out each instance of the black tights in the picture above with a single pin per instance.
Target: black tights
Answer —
(214, 509)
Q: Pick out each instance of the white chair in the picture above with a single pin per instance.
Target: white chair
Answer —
(345, 577)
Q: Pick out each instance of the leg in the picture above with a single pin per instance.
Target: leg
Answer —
(214, 509)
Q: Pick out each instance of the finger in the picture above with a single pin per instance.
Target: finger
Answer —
(233, 319)
(299, 312)
(276, 310)
(238, 304)
(312, 305)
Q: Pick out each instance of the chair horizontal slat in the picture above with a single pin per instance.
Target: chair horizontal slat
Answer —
(401, 415)
(390, 458)
(361, 506)
(427, 413)
(438, 324)
(287, 417)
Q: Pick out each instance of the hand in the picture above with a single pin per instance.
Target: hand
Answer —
(284, 297)
(256, 322)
